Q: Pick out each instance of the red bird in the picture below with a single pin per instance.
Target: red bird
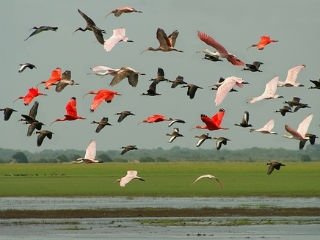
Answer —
(155, 118)
(264, 41)
(100, 96)
(31, 94)
(213, 123)
(56, 76)
(71, 109)
(221, 51)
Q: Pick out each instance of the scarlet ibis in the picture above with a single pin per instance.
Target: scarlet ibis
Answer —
(254, 67)
(291, 80)
(56, 75)
(202, 138)
(220, 141)
(41, 29)
(126, 9)
(65, 81)
(23, 66)
(264, 41)
(173, 121)
(91, 26)
(128, 148)
(273, 164)
(100, 96)
(119, 35)
(226, 87)
(31, 94)
(90, 155)
(316, 84)
(295, 102)
(223, 53)
(126, 72)
(209, 176)
(167, 43)
(266, 129)
(7, 112)
(269, 91)
(175, 133)
(284, 110)
(213, 123)
(131, 175)
(300, 133)
(155, 118)
(245, 121)
(71, 111)
(123, 115)
(192, 88)
(177, 81)
(41, 136)
(101, 124)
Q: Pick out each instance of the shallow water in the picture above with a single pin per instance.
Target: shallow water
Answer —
(53, 203)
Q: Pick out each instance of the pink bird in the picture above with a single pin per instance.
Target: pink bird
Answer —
(264, 41)
(100, 96)
(226, 86)
(71, 112)
(155, 118)
(220, 49)
(118, 11)
(118, 35)
(291, 80)
(31, 94)
(213, 123)
(56, 75)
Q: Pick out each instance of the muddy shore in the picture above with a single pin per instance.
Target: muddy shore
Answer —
(158, 212)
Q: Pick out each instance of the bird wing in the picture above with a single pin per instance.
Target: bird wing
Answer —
(293, 74)
(293, 132)
(224, 89)
(163, 38)
(200, 141)
(71, 107)
(304, 125)
(133, 79)
(97, 100)
(213, 43)
(271, 87)
(122, 116)
(99, 35)
(91, 151)
(245, 118)
(172, 38)
(218, 117)
(39, 30)
(121, 74)
(34, 110)
(155, 118)
(117, 36)
(66, 75)
(219, 143)
(268, 126)
(209, 122)
(88, 20)
(103, 70)
(270, 169)
(234, 60)
(200, 177)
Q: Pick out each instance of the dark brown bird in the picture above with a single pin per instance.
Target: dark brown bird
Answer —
(273, 165)
(245, 121)
(65, 81)
(316, 84)
(31, 119)
(41, 135)
(91, 26)
(41, 29)
(254, 67)
(284, 110)
(152, 91)
(173, 121)
(160, 76)
(123, 115)
(101, 124)
(220, 141)
(128, 148)
(7, 112)
(192, 88)
(295, 102)
(177, 81)
(202, 138)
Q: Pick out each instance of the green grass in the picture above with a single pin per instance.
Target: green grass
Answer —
(162, 179)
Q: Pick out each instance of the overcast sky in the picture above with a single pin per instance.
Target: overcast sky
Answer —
(235, 24)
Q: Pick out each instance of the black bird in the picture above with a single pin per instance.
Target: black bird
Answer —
(192, 88)
(152, 91)
(91, 26)
(316, 84)
(295, 102)
(220, 141)
(245, 121)
(284, 110)
(128, 148)
(254, 67)
(211, 56)
(123, 115)
(177, 81)
(101, 124)
(160, 76)
(65, 81)
(41, 135)
(273, 165)
(173, 121)
(41, 29)
(312, 140)
(31, 119)
(23, 66)
(7, 113)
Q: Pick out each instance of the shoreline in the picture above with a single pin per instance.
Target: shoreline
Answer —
(158, 212)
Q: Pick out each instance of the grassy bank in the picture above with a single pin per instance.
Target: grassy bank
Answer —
(162, 179)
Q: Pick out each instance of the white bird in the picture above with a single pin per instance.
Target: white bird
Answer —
(103, 70)
(173, 121)
(266, 129)
(210, 177)
(269, 91)
(226, 86)
(301, 133)
(174, 135)
(292, 77)
(90, 155)
(131, 175)
(119, 34)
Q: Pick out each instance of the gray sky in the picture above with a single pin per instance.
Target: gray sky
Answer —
(235, 24)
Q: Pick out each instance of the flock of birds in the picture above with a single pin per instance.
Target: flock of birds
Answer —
(62, 79)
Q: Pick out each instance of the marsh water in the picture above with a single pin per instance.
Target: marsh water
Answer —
(237, 227)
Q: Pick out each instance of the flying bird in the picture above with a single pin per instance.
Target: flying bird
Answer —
(202, 138)
(254, 67)
(177, 81)
(65, 81)
(90, 155)
(192, 88)
(223, 53)
(269, 91)
(131, 175)
(266, 129)
(155, 118)
(220, 141)
(160, 76)
(316, 84)
(119, 35)
(209, 176)
(126, 72)
(104, 70)
(295, 102)
(167, 43)
(284, 110)
(24, 66)
(55, 76)
(41, 136)
(173, 121)
(31, 117)
(30, 95)
(245, 121)
(101, 95)
(120, 10)
(7, 112)
(213, 123)
(71, 111)
(152, 91)
(91, 26)
(273, 164)
(174, 135)
(123, 115)
(211, 56)
(291, 80)
(41, 29)
(128, 148)
(101, 124)
(263, 42)
(219, 83)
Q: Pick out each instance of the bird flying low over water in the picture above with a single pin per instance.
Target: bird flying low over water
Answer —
(41, 136)
(209, 176)
(223, 53)
(131, 175)
(90, 155)
(24, 66)
(292, 75)
(101, 95)
(263, 42)
(119, 35)
(128, 148)
(213, 123)
(30, 95)
(71, 111)
(101, 124)
(7, 112)
(266, 129)
(41, 29)
(273, 164)
(120, 10)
